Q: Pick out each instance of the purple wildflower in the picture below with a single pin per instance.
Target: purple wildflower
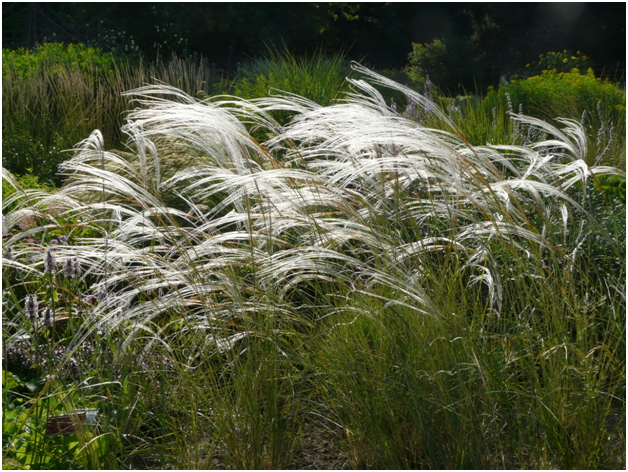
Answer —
(411, 109)
(90, 299)
(68, 268)
(48, 317)
(50, 263)
(31, 305)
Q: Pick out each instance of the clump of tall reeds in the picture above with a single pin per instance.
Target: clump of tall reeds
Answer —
(363, 221)
(52, 101)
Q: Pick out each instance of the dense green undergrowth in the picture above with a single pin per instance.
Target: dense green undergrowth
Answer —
(433, 282)
(56, 95)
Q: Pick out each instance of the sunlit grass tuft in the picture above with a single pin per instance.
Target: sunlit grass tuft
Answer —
(428, 297)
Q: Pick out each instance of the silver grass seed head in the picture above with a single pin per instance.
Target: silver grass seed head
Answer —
(102, 294)
(509, 103)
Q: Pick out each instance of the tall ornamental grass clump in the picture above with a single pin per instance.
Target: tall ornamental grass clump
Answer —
(55, 95)
(427, 299)
(319, 78)
(50, 98)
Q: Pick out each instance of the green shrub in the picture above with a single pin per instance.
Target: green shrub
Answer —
(564, 61)
(553, 91)
(449, 65)
(24, 63)
(27, 182)
(598, 104)
(428, 60)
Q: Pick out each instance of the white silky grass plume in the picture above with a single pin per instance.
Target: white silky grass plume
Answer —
(349, 199)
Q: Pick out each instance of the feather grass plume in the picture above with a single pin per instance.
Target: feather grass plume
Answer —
(351, 199)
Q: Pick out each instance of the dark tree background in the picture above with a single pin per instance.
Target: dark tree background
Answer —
(502, 37)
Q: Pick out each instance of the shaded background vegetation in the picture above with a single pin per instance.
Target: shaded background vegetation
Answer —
(487, 40)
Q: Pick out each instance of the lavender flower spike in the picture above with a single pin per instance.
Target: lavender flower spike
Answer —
(48, 317)
(50, 263)
(68, 268)
(77, 267)
(31, 305)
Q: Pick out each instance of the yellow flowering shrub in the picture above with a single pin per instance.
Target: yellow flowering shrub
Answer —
(560, 61)
(552, 93)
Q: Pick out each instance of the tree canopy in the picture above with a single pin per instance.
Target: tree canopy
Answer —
(493, 38)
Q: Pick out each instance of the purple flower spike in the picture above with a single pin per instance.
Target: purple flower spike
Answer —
(77, 267)
(50, 263)
(68, 268)
(48, 317)
(31, 305)
(63, 240)
(90, 299)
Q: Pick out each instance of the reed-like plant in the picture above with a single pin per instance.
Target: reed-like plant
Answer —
(320, 78)
(58, 96)
(360, 218)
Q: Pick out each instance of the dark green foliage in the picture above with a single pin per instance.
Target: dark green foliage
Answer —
(504, 37)
(449, 64)
(320, 77)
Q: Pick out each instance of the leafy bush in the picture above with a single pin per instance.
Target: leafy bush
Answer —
(544, 94)
(26, 182)
(598, 104)
(23, 62)
(449, 65)
(564, 61)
